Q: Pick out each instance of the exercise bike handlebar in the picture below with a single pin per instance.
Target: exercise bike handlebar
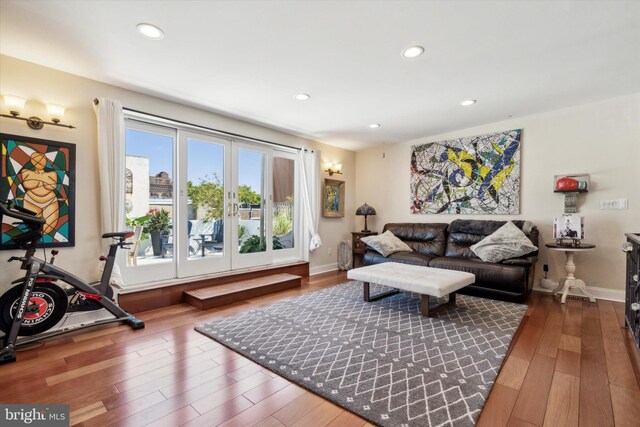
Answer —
(20, 213)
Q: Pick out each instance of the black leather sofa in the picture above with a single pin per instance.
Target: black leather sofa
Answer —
(448, 246)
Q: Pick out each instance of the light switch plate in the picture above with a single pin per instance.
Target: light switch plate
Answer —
(614, 204)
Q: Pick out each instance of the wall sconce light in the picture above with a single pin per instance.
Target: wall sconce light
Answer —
(15, 104)
(332, 168)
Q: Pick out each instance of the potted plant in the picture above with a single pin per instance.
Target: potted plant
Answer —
(283, 229)
(255, 243)
(141, 220)
(159, 223)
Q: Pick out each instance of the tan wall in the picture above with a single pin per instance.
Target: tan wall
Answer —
(601, 139)
(40, 84)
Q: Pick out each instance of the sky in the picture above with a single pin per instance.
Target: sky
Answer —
(203, 158)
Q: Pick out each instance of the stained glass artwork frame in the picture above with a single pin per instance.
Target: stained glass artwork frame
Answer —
(470, 175)
(39, 175)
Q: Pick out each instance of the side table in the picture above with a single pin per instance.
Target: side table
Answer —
(570, 282)
(358, 247)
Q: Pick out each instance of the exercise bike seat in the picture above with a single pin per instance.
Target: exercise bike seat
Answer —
(120, 234)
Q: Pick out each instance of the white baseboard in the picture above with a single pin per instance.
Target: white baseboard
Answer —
(598, 293)
(323, 268)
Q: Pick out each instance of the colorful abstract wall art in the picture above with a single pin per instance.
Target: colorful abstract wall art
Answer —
(39, 175)
(333, 198)
(471, 175)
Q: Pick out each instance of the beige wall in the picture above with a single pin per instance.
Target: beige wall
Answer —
(39, 84)
(601, 139)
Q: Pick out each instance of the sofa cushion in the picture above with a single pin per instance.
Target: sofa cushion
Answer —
(426, 238)
(506, 242)
(415, 258)
(386, 243)
(506, 277)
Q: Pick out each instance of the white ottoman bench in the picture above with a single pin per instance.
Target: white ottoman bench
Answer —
(425, 281)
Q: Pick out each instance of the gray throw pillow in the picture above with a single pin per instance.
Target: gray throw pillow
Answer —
(506, 242)
(386, 243)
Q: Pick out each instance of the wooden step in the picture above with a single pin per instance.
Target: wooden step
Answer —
(164, 294)
(215, 296)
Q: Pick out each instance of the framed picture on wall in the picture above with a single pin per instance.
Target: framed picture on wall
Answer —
(39, 175)
(333, 198)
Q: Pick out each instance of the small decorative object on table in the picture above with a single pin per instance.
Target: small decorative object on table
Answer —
(568, 230)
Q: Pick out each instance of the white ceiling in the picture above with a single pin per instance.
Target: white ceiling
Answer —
(247, 59)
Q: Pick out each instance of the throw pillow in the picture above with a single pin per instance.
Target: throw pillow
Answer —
(506, 242)
(386, 243)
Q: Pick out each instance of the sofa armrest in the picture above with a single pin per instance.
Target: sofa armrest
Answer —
(526, 261)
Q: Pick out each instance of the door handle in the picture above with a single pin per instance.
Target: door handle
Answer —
(229, 212)
(235, 209)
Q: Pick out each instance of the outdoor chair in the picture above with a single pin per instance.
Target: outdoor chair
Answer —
(132, 252)
(167, 242)
(212, 241)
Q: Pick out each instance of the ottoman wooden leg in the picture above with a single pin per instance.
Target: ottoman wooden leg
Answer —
(424, 304)
(368, 297)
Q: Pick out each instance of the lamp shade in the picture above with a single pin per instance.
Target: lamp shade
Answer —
(365, 210)
(14, 103)
(55, 111)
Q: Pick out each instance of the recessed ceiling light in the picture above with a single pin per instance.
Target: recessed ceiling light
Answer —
(302, 96)
(374, 125)
(413, 51)
(467, 102)
(150, 31)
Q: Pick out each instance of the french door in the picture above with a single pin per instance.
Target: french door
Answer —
(251, 245)
(205, 182)
(231, 204)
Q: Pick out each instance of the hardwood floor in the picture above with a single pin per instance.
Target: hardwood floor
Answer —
(569, 365)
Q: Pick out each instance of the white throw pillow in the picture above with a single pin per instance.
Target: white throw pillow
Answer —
(386, 243)
(506, 242)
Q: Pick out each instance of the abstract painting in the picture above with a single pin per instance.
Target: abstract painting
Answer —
(39, 175)
(333, 198)
(471, 175)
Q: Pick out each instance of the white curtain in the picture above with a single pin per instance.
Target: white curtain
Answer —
(111, 165)
(309, 173)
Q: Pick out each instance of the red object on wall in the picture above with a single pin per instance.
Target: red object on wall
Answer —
(567, 184)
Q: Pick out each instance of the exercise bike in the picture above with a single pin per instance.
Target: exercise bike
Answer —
(48, 293)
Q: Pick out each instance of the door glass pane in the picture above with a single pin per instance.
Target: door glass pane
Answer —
(251, 230)
(205, 191)
(149, 195)
(283, 221)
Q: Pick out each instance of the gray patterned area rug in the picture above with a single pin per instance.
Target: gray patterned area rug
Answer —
(381, 360)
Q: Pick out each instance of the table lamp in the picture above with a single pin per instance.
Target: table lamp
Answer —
(365, 210)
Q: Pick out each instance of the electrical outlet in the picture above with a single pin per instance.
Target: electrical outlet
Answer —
(329, 251)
